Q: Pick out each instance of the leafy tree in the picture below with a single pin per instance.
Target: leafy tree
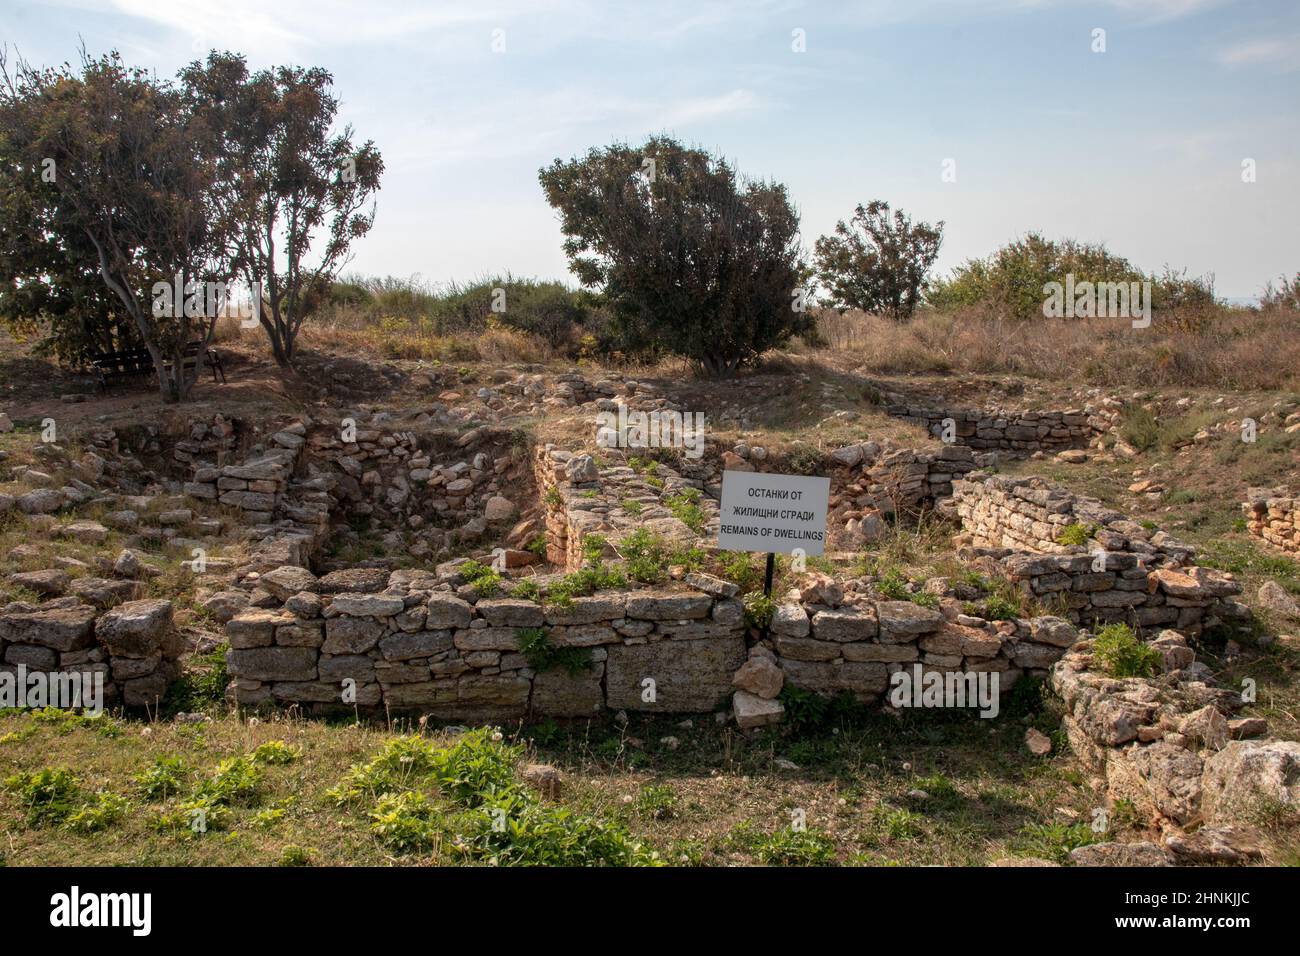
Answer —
(291, 176)
(692, 260)
(877, 263)
(51, 285)
(129, 189)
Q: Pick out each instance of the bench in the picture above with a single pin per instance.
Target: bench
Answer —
(111, 367)
(211, 358)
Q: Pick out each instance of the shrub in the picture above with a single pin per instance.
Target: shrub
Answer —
(164, 779)
(1076, 533)
(1120, 652)
(400, 763)
(537, 546)
(877, 264)
(997, 607)
(806, 460)
(275, 753)
(296, 856)
(724, 296)
(655, 802)
(235, 781)
(1054, 841)
(645, 556)
(517, 830)
(477, 767)
(1012, 279)
(791, 847)
(759, 609)
(584, 581)
(737, 567)
(535, 644)
(481, 577)
(404, 822)
(202, 684)
(685, 506)
(896, 587)
(50, 795)
(527, 591)
(1138, 426)
(100, 812)
(786, 847)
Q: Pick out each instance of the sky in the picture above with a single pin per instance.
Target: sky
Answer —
(1135, 137)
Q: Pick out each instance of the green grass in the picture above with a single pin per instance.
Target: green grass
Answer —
(1119, 651)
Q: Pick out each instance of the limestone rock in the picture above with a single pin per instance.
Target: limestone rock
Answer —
(751, 710)
(136, 628)
(1247, 774)
(286, 581)
(1121, 854)
(760, 676)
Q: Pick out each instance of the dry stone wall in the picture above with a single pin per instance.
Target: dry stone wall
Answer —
(133, 645)
(869, 481)
(414, 641)
(1019, 431)
(1275, 517)
(1174, 747)
(1124, 573)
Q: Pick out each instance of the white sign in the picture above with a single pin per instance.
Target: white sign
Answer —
(774, 513)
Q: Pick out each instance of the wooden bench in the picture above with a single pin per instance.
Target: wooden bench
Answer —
(211, 358)
(112, 367)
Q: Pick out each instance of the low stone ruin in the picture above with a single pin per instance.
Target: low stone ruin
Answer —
(1020, 432)
(1030, 514)
(1124, 573)
(410, 640)
(133, 644)
(1275, 517)
(1173, 747)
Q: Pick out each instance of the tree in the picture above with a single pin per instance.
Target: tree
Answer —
(291, 176)
(51, 285)
(692, 260)
(877, 263)
(131, 192)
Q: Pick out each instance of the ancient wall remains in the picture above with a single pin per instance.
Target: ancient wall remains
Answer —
(1120, 572)
(133, 645)
(1174, 748)
(1276, 519)
(1019, 431)
(410, 640)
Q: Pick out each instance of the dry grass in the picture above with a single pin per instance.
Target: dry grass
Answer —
(1234, 349)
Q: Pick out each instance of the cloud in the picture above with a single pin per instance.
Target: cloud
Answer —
(542, 123)
(1283, 52)
(1159, 10)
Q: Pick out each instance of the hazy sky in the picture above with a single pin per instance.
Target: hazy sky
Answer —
(1140, 146)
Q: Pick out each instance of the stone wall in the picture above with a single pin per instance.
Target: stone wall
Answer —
(133, 644)
(1020, 431)
(1030, 514)
(1173, 747)
(1124, 573)
(1275, 518)
(869, 481)
(424, 490)
(415, 641)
